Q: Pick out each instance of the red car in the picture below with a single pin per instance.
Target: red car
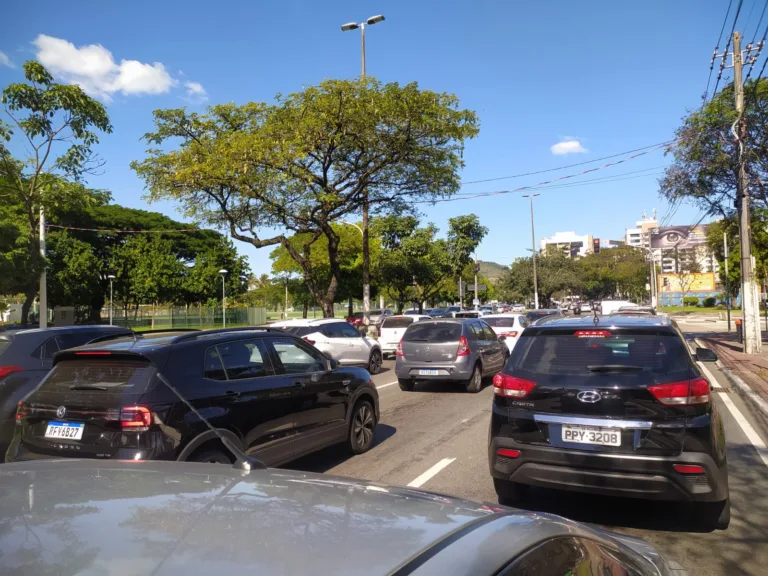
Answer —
(356, 319)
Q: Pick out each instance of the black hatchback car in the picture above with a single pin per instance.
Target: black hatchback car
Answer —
(268, 392)
(26, 356)
(616, 406)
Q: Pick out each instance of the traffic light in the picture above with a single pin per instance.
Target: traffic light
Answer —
(596, 245)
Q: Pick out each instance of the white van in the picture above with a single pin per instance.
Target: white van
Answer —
(393, 328)
(610, 306)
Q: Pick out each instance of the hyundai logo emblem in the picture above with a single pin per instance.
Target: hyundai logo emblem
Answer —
(61, 412)
(589, 396)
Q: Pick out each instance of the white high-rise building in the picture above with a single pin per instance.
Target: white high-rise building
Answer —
(569, 243)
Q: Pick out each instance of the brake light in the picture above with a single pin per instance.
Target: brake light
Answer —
(508, 453)
(509, 334)
(135, 417)
(308, 341)
(93, 353)
(685, 393)
(463, 349)
(21, 411)
(592, 333)
(688, 469)
(506, 385)
(6, 370)
(399, 351)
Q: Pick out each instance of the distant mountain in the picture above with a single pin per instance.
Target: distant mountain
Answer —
(492, 270)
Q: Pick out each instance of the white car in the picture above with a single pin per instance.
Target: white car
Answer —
(337, 339)
(518, 308)
(393, 328)
(508, 325)
(586, 307)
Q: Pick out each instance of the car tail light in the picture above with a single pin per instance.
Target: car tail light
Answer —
(684, 393)
(508, 453)
(592, 333)
(463, 349)
(6, 370)
(688, 469)
(509, 334)
(399, 351)
(135, 417)
(94, 353)
(21, 411)
(308, 341)
(506, 385)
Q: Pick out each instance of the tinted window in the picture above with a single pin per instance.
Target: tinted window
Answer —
(467, 315)
(105, 376)
(488, 332)
(295, 358)
(74, 339)
(433, 332)
(244, 359)
(334, 330)
(3, 345)
(477, 330)
(500, 322)
(523, 321)
(348, 331)
(299, 330)
(47, 349)
(213, 368)
(397, 322)
(570, 354)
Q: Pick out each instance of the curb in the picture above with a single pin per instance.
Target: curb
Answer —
(742, 387)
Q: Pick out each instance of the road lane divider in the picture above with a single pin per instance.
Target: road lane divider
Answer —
(386, 385)
(429, 474)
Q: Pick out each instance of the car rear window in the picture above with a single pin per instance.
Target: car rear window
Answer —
(397, 323)
(500, 322)
(583, 355)
(103, 376)
(426, 331)
(299, 330)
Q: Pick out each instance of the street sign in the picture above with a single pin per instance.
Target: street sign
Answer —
(480, 288)
(476, 302)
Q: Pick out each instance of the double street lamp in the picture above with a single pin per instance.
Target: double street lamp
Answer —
(223, 273)
(111, 278)
(366, 250)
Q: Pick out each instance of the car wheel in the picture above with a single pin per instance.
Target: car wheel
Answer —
(509, 493)
(475, 381)
(212, 456)
(406, 384)
(385, 356)
(361, 427)
(374, 362)
(718, 514)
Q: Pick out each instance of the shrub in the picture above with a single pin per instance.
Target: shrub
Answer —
(709, 302)
(691, 300)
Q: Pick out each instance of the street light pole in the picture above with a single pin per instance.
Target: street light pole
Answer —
(533, 254)
(223, 273)
(366, 248)
(111, 278)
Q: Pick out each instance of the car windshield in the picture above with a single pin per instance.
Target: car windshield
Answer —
(105, 376)
(396, 322)
(499, 322)
(433, 332)
(299, 330)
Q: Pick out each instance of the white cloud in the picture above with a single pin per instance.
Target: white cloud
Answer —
(195, 91)
(95, 70)
(568, 147)
(5, 61)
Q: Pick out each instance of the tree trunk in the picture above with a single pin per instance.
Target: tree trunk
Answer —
(351, 307)
(327, 306)
(305, 310)
(28, 301)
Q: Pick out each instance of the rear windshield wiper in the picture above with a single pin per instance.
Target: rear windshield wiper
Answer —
(418, 340)
(612, 368)
(76, 387)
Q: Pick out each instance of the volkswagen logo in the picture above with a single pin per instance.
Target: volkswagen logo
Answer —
(589, 396)
(61, 411)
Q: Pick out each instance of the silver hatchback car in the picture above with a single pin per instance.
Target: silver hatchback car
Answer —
(465, 350)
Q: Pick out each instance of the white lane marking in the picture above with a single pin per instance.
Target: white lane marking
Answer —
(746, 427)
(424, 478)
(385, 385)
(465, 420)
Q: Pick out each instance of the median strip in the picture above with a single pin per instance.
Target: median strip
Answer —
(424, 478)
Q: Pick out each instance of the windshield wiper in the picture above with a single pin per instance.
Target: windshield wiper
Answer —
(612, 368)
(419, 340)
(85, 387)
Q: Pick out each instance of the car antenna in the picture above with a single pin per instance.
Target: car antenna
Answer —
(596, 320)
(244, 461)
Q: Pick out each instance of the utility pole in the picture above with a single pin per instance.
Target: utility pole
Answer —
(533, 255)
(727, 288)
(476, 298)
(43, 307)
(749, 303)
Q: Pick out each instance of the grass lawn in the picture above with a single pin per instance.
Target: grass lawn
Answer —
(196, 327)
(695, 310)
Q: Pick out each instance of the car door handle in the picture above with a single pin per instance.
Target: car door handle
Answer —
(231, 394)
(299, 384)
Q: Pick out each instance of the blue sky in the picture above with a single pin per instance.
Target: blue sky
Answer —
(614, 76)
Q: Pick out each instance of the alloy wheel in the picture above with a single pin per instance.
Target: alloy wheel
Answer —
(362, 425)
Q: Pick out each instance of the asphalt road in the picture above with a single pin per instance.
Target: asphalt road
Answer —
(436, 437)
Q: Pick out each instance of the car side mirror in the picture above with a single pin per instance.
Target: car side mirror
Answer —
(705, 355)
(332, 364)
(502, 337)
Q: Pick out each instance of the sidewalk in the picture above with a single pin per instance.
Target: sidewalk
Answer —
(751, 369)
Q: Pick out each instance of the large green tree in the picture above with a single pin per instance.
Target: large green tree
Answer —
(56, 126)
(307, 160)
(554, 271)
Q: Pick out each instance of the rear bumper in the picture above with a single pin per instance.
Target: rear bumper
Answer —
(411, 370)
(646, 477)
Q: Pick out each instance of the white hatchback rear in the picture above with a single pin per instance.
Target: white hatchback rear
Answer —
(393, 328)
(508, 325)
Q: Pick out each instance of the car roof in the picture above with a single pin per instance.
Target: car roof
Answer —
(503, 315)
(591, 322)
(305, 322)
(62, 329)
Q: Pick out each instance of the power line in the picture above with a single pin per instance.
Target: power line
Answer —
(727, 46)
(118, 231)
(757, 28)
(567, 166)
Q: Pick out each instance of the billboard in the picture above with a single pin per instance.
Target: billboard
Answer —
(681, 237)
(700, 282)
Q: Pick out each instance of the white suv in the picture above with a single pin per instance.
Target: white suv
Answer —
(337, 339)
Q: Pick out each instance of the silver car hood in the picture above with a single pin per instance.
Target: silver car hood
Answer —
(169, 518)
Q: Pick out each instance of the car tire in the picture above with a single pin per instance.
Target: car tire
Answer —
(475, 382)
(374, 362)
(211, 456)
(362, 425)
(406, 384)
(508, 493)
(384, 356)
(719, 514)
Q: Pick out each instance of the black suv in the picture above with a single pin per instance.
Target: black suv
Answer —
(26, 356)
(615, 406)
(268, 392)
